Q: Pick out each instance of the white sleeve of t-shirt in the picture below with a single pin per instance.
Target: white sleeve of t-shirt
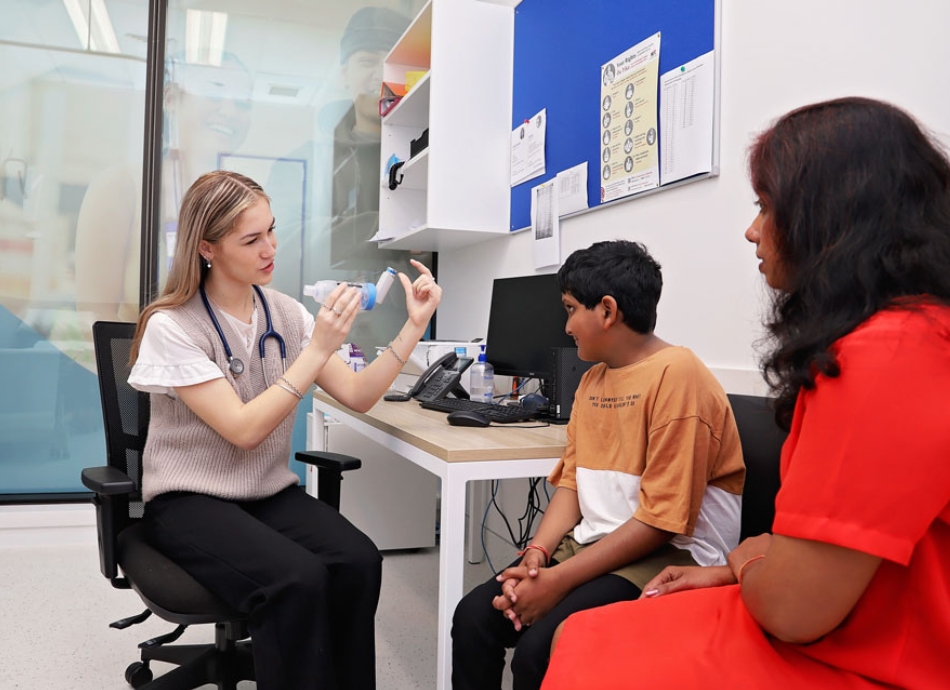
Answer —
(169, 358)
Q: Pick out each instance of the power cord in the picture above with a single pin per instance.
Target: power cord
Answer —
(525, 523)
(518, 388)
(533, 503)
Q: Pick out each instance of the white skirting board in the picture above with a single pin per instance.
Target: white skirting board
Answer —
(47, 525)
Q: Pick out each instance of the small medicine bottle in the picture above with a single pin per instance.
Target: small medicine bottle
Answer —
(357, 358)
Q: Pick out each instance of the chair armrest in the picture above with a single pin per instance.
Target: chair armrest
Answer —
(107, 481)
(329, 461)
(113, 488)
(330, 469)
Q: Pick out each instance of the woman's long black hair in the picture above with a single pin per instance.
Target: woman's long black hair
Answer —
(859, 197)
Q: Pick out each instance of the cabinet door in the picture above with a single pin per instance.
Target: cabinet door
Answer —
(390, 499)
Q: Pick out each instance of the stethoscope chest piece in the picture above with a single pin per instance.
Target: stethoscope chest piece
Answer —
(235, 365)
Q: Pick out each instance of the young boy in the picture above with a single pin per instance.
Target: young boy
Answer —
(651, 476)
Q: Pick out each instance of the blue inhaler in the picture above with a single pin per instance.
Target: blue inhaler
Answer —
(370, 295)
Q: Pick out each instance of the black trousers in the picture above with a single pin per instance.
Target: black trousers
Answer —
(481, 634)
(307, 578)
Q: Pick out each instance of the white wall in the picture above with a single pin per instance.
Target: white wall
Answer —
(775, 56)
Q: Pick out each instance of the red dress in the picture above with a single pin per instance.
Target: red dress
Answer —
(867, 467)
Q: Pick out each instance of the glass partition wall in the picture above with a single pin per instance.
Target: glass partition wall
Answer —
(72, 84)
(285, 92)
(288, 94)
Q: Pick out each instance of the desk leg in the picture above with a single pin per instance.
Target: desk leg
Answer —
(316, 440)
(477, 500)
(451, 567)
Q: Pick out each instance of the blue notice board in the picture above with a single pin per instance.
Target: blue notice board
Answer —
(560, 46)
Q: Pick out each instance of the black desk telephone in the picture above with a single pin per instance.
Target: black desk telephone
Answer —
(441, 379)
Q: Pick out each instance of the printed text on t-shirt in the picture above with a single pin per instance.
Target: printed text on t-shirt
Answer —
(613, 403)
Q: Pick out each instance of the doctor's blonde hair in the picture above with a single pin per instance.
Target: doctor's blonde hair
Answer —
(208, 213)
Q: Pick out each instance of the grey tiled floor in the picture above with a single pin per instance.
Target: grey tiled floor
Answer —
(55, 608)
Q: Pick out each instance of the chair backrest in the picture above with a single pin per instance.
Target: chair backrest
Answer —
(125, 411)
(762, 441)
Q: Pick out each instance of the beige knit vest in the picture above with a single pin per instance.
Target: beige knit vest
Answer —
(182, 453)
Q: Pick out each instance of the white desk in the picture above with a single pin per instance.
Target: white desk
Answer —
(456, 455)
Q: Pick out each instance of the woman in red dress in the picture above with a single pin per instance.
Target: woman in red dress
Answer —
(852, 588)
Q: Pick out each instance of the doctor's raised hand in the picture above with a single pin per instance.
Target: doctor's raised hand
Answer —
(360, 391)
(422, 295)
(226, 361)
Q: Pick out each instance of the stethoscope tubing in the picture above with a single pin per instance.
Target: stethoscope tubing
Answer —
(234, 364)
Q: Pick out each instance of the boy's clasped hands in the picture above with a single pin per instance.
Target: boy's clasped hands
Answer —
(529, 590)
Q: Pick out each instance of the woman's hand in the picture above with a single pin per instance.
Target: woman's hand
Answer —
(677, 578)
(335, 318)
(422, 295)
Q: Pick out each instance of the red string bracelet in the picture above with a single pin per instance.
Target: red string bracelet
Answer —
(547, 556)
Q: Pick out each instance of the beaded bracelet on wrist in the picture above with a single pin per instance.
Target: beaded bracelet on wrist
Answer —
(538, 547)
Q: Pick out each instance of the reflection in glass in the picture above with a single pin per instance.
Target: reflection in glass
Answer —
(207, 111)
(344, 147)
(287, 93)
(301, 117)
(71, 112)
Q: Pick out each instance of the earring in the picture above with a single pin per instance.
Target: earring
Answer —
(207, 262)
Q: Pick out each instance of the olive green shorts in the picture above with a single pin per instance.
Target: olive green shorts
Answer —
(639, 572)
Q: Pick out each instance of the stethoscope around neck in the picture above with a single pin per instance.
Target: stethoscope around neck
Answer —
(235, 365)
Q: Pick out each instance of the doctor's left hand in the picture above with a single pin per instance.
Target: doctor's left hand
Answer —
(422, 295)
(334, 319)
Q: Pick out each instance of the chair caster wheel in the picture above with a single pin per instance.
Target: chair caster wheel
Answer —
(138, 674)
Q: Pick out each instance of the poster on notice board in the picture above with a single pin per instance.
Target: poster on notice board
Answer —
(628, 121)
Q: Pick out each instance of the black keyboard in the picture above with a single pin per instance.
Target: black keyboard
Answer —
(502, 414)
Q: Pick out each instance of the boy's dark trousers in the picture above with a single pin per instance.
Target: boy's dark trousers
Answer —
(481, 634)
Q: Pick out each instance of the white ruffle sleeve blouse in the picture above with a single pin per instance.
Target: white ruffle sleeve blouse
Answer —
(169, 358)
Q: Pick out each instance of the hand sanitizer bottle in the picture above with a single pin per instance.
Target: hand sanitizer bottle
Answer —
(482, 379)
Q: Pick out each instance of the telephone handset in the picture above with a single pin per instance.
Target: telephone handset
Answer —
(441, 378)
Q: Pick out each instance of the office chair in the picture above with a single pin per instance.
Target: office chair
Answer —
(166, 589)
(762, 441)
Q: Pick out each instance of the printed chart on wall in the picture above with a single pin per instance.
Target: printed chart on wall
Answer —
(628, 121)
(687, 103)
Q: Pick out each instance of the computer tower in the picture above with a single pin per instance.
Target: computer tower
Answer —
(566, 372)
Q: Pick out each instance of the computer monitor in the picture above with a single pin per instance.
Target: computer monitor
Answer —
(526, 320)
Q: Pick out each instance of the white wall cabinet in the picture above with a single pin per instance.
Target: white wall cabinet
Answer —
(456, 192)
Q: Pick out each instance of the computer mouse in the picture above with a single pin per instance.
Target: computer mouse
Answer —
(467, 418)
